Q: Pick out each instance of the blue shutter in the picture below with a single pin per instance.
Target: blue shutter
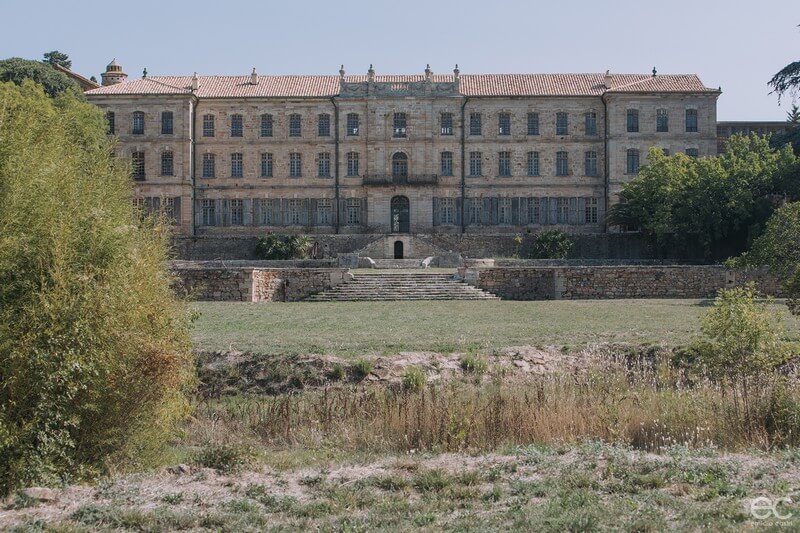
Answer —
(523, 211)
(573, 211)
(515, 211)
(304, 214)
(198, 213)
(364, 213)
(553, 210)
(459, 205)
(436, 211)
(247, 215)
(493, 212)
(486, 214)
(256, 211)
(176, 207)
(544, 211)
(581, 211)
(226, 212)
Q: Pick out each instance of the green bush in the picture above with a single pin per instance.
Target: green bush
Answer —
(275, 246)
(551, 244)
(414, 379)
(94, 347)
(362, 368)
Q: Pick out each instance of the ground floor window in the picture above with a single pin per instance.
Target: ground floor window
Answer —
(353, 207)
(209, 212)
(591, 210)
(237, 212)
(447, 211)
(504, 211)
(324, 212)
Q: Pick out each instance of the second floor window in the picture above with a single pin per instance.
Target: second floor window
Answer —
(446, 120)
(504, 124)
(237, 125)
(662, 120)
(236, 165)
(167, 164)
(533, 123)
(632, 119)
(295, 166)
(324, 125)
(208, 125)
(533, 163)
(352, 124)
(266, 165)
(295, 126)
(324, 165)
(475, 161)
(691, 120)
(590, 164)
(562, 123)
(632, 166)
(266, 125)
(504, 164)
(474, 123)
(447, 164)
(399, 125)
(352, 164)
(562, 164)
(137, 123)
(209, 164)
(591, 123)
(110, 119)
(137, 161)
(166, 122)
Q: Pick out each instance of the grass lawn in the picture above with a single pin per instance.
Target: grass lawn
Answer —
(355, 327)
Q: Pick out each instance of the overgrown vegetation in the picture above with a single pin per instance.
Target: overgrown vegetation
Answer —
(17, 70)
(551, 244)
(277, 246)
(94, 351)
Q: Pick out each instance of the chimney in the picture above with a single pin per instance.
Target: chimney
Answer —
(607, 80)
(341, 72)
(253, 77)
(195, 82)
(428, 72)
(371, 73)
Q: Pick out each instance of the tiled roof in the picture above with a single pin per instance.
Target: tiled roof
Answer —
(470, 85)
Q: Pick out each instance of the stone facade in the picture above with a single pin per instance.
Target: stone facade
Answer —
(435, 154)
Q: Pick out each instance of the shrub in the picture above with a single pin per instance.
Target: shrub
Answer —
(551, 244)
(275, 246)
(227, 458)
(414, 379)
(94, 348)
(362, 368)
(474, 364)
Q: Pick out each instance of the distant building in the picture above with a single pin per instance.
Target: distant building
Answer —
(727, 129)
(84, 83)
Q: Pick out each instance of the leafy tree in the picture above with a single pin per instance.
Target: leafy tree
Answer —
(57, 58)
(54, 82)
(551, 244)
(275, 246)
(792, 134)
(94, 348)
(719, 202)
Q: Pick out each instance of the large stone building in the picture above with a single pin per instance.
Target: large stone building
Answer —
(429, 153)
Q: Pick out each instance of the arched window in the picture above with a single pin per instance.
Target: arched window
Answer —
(399, 165)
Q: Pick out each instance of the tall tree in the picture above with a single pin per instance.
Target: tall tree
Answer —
(57, 58)
(787, 80)
(54, 82)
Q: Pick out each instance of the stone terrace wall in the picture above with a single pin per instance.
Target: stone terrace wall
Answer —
(254, 284)
(576, 282)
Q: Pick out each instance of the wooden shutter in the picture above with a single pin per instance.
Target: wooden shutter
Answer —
(343, 210)
(226, 212)
(486, 215)
(581, 219)
(313, 211)
(544, 211)
(573, 211)
(257, 211)
(365, 213)
(176, 208)
(247, 215)
(436, 218)
(523, 211)
(515, 211)
(553, 210)
(198, 213)
(304, 214)
(459, 205)
(493, 212)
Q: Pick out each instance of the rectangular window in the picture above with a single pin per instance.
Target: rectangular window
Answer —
(533, 163)
(504, 164)
(110, 119)
(533, 123)
(352, 124)
(662, 121)
(295, 213)
(562, 210)
(447, 211)
(691, 120)
(475, 211)
(352, 163)
(269, 212)
(504, 211)
(353, 208)
(632, 120)
(137, 160)
(236, 165)
(562, 123)
(295, 166)
(237, 125)
(208, 125)
(266, 125)
(237, 212)
(399, 125)
(446, 120)
(324, 212)
(168, 207)
(590, 122)
(266, 165)
(137, 123)
(475, 159)
(562, 164)
(324, 165)
(166, 122)
(534, 211)
(632, 166)
(591, 210)
(209, 210)
(590, 164)
(693, 152)
(295, 125)
(474, 123)
(324, 125)
(167, 164)
(504, 124)
(209, 170)
(447, 163)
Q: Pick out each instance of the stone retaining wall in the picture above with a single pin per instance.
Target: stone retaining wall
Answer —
(244, 284)
(598, 282)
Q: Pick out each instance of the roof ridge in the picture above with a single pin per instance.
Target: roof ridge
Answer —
(166, 84)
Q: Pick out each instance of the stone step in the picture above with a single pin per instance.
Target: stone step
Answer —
(402, 286)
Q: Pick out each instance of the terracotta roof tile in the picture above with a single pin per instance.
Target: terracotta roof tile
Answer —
(471, 85)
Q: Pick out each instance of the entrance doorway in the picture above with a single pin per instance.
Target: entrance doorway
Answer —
(398, 249)
(401, 218)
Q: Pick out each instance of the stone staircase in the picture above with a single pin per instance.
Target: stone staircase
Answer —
(402, 286)
(397, 264)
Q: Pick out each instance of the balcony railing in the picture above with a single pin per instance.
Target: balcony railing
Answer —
(388, 179)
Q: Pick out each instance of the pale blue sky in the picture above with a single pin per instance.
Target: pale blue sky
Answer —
(733, 43)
